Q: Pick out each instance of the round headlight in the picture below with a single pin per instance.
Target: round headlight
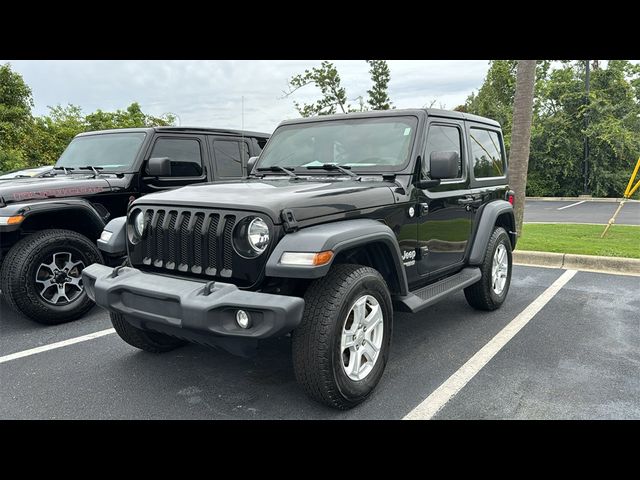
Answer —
(251, 237)
(258, 234)
(138, 224)
(135, 226)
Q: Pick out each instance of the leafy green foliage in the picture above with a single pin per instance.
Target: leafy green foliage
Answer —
(27, 141)
(326, 78)
(334, 96)
(380, 76)
(557, 137)
(15, 117)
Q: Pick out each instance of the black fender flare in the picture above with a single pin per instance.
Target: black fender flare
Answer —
(337, 237)
(488, 217)
(32, 209)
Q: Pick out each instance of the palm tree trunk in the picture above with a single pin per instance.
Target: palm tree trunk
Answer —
(521, 135)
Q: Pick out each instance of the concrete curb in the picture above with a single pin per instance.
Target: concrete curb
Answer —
(589, 263)
(579, 199)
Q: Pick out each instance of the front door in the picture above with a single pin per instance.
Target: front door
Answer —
(444, 213)
(188, 162)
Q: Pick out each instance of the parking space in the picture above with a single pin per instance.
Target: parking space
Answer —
(580, 211)
(577, 358)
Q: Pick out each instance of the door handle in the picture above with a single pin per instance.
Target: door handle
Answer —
(466, 201)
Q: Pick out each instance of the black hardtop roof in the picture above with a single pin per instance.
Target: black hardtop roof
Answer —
(200, 130)
(431, 112)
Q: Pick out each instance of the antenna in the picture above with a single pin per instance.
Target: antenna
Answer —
(243, 160)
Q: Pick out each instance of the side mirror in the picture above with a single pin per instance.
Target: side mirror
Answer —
(250, 164)
(159, 167)
(444, 165)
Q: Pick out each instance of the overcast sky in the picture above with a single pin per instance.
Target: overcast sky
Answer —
(209, 93)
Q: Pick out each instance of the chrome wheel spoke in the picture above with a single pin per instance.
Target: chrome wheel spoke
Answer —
(359, 312)
(348, 340)
(46, 284)
(75, 282)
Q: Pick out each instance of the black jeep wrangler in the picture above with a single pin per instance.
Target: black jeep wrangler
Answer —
(343, 220)
(49, 225)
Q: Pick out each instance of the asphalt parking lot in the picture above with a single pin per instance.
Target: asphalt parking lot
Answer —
(580, 211)
(577, 358)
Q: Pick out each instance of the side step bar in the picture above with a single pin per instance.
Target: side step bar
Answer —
(426, 296)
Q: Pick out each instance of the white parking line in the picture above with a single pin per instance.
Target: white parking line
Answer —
(572, 205)
(445, 392)
(53, 346)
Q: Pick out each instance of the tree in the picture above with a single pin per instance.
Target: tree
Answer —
(380, 76)
(521, 135)
(16, 102)
(326, 78)
(50, 134)
(334, 95)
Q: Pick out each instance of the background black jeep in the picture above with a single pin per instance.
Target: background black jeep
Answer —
(49, 225)
(344, 219)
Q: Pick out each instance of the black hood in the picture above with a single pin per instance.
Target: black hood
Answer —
(307, 198)
(16, 190)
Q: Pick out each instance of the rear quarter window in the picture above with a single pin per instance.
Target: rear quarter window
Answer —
(487, 153)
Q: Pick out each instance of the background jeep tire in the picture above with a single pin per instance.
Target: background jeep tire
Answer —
(482, 295)
(23, 266)
(318, 359)
(153, 342)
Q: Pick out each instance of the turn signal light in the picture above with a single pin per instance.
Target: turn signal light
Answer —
(306, 258)
(14, 220)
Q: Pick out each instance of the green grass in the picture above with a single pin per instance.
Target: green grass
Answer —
(620, 241)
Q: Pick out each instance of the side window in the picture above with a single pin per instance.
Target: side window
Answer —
(487, 155)
(186, 159)
(443, 138)
(229, 155)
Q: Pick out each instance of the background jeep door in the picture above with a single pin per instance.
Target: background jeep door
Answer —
(230, 156)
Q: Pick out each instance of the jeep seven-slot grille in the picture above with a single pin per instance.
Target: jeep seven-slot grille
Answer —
(199, 242)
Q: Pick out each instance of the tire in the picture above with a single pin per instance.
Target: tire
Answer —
(148, 341)
(317, 357)
(481, 295)
(24, 262)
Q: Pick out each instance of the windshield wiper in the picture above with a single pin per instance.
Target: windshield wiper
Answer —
(96, 172)
(278, 168)
(334, 166)
(66, 169)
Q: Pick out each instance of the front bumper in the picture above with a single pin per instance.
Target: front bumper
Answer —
(181, 308)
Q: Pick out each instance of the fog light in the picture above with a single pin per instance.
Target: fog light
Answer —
(105, 236)
(243, 319)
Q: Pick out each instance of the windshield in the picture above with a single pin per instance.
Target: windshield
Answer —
(111, 151)
(366, 144)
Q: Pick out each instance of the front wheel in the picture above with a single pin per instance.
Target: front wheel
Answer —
(341, 347)
(41, 275)
(490, 292)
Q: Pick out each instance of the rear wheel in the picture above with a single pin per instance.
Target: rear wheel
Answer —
(491, 290)
(341, 347)
(41, 275)
(153, 342)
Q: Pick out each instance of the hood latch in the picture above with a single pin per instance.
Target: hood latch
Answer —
(289, 220)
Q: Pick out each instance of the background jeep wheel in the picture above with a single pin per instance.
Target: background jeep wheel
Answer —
(491, 290)
(148, 341)
(341, 347)
(42, 275)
